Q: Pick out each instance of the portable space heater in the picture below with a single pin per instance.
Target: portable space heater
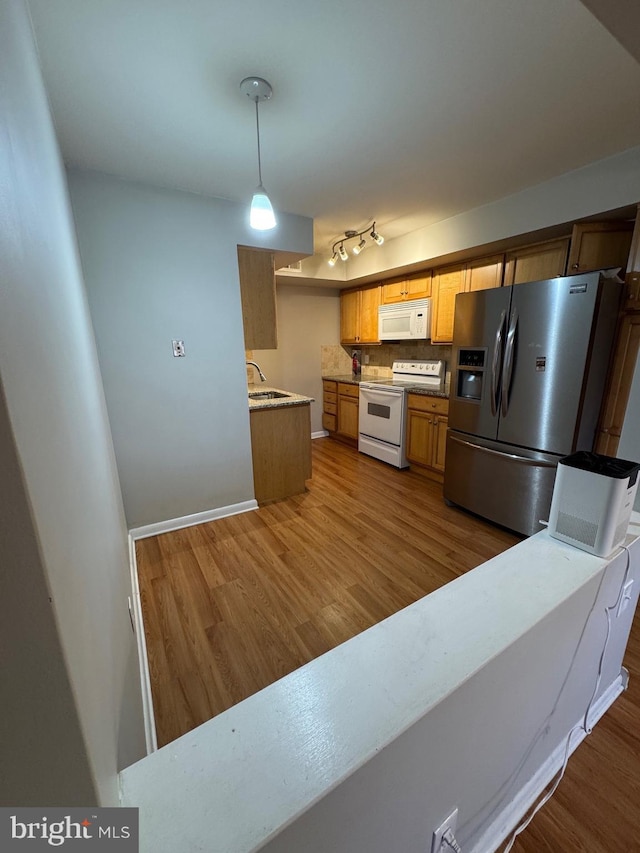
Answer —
(592, 501)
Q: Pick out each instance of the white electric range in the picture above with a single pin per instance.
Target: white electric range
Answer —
(383, 408)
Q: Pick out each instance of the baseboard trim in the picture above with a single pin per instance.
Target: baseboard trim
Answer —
(320, 434)
(515, 810)
(150, 736)
(190, 520)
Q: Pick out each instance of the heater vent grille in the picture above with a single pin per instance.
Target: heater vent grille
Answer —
(577, 528)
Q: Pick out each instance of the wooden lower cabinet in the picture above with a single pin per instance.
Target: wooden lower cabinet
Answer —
(340, 409)
(348, 410)
(427, 421)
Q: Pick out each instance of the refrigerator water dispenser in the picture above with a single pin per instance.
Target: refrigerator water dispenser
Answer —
(592, 501)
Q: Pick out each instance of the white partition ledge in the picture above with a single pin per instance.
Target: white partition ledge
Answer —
(458, 700)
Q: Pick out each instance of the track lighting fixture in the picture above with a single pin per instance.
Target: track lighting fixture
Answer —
(261, 217)
(338, 249)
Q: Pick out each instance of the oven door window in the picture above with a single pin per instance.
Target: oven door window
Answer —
(377, 410)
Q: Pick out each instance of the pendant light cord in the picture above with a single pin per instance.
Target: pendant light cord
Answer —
(258, 135)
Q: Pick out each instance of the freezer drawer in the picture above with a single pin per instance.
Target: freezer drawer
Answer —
(510, 486)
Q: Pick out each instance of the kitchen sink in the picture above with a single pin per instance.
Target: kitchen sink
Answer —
(267, 395)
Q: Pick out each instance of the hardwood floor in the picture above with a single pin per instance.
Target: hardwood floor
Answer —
(233, 605)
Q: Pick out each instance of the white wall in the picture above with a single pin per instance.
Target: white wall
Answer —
(308, 318)
(162, 265)
(605, 185)
(71, 705)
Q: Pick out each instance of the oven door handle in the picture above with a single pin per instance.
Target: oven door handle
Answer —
(380, 395)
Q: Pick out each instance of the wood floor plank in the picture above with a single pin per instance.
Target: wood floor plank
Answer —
(232, 605)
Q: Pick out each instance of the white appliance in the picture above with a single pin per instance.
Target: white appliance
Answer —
(592, 501)
(383, 408)
(405, 321)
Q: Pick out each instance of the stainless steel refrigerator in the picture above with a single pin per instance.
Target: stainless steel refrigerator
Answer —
(529, 367)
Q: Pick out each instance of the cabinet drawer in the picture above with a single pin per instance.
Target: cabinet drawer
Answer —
(330, 397)
(423, 403)
(330, 408)
(328, 422)
(329, 387)
(346, 390)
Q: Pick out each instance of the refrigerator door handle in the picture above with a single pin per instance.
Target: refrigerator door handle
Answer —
(507, 371)
(526, 460)
(495, 363)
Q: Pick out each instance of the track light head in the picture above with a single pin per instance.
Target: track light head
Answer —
(333, 259)
(378, 238)
(359, 247)
(343, 253)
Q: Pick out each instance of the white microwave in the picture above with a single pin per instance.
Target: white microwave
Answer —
(405, 321)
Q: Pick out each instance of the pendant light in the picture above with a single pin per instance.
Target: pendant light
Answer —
(261, 217)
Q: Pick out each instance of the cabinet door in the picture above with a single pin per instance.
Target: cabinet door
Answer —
(349, 316)
(419, 437)
(418, 288)
(484, 273)
(536, 263)
(369, 304)
(439, 442)
(599, 245)
(348, 416)
(258, 294)
(447, 283)
(619, 385)
(393, 291)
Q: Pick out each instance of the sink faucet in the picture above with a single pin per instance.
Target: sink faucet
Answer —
(263, 378)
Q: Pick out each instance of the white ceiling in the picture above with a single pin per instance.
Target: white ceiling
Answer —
(405, 112)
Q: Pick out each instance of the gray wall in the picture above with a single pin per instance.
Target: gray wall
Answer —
(71, 701)
(162, 265)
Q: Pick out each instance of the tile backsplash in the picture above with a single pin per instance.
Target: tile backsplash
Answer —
(336, 360)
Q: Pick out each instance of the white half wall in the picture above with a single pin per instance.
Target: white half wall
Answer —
(463, 699)
(71, 704)
(161, 265)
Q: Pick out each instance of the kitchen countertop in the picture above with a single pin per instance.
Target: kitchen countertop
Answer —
(350, 379)
(290, 400)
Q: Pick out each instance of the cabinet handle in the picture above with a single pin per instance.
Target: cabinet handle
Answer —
(575, 267)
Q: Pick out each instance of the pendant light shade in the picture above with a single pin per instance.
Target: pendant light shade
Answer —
(261, 215)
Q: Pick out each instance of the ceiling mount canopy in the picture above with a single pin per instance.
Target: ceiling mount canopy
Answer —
(261, 216)
(338, 250)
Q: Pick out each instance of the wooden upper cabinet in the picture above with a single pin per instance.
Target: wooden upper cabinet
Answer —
(369, 304)
(349, 316)
(418, 287)
(447, 283)
(484, 273)
(258, 294)
(537, 262)
(359, 315)
(599, 245)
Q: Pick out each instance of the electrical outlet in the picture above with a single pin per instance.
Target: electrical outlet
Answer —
(450, 823)
(178, 349)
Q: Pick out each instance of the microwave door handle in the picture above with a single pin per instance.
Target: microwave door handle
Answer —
(495, 363)
(507, 371)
